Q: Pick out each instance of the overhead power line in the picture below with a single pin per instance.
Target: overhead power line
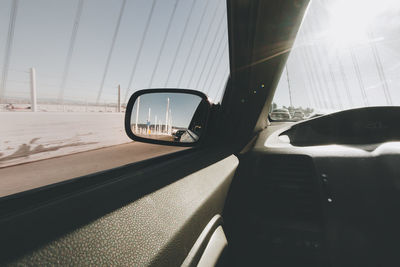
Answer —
(114, 38)
(9, 44)
(70, 49)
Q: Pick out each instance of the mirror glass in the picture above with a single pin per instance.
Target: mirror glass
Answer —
(173, 117)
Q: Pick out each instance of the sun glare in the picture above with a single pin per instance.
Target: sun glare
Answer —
(350, 20)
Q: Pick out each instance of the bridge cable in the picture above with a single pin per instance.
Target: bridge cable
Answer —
(70, 50)
(358, 75)
(193, 42)
(114, 38)
(178, 49)
(322, 70)
(211, 49)
(379, 67)
(217, 59)
(221, 84)
(316, 76)
(139, 52)
(205, 39)
(344, 80)
(308, 73)
(218, 65)
(171, 18)
(9, 45)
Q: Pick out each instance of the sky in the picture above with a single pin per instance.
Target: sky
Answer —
(335, 42)
(42, 36)
(332, 65)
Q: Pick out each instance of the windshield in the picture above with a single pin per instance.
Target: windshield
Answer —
(345, 56)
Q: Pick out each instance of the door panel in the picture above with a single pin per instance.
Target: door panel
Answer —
(122, 223)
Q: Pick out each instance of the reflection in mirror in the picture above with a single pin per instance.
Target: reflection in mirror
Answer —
(173, 117)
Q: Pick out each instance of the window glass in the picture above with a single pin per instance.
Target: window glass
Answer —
(345, 56)
(68, 68)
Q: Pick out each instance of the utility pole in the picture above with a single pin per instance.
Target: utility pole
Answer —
(33, 90)
(137, 114)
(119, 99)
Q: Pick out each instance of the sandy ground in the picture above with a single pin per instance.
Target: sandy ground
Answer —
(28, 136)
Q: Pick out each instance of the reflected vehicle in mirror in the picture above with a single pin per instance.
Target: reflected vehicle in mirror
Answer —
(280, 114)
(167, 116)
(178, 135)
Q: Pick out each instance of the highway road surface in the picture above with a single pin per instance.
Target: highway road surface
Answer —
(35, 174)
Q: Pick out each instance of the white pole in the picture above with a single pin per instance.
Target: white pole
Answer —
(137, 113)
(166, 116)
(148, 121)
(33, 90)
(170, 119)
(155, 124)
(119, 99)
(169, 122)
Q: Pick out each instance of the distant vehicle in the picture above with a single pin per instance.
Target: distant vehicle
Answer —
(280, 115)
(298, 115)
(178, 135)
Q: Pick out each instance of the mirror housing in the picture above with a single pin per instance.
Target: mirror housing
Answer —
(180, 117)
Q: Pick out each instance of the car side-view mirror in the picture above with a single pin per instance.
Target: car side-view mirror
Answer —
(175, 117)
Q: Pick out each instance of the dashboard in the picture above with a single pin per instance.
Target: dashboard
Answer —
(325, 191)
(355, 126)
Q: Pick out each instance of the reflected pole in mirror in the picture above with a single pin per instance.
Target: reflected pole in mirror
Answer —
(155, 124)
(170, 122)
(137, 114)
(166, 117)
(148, 122)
